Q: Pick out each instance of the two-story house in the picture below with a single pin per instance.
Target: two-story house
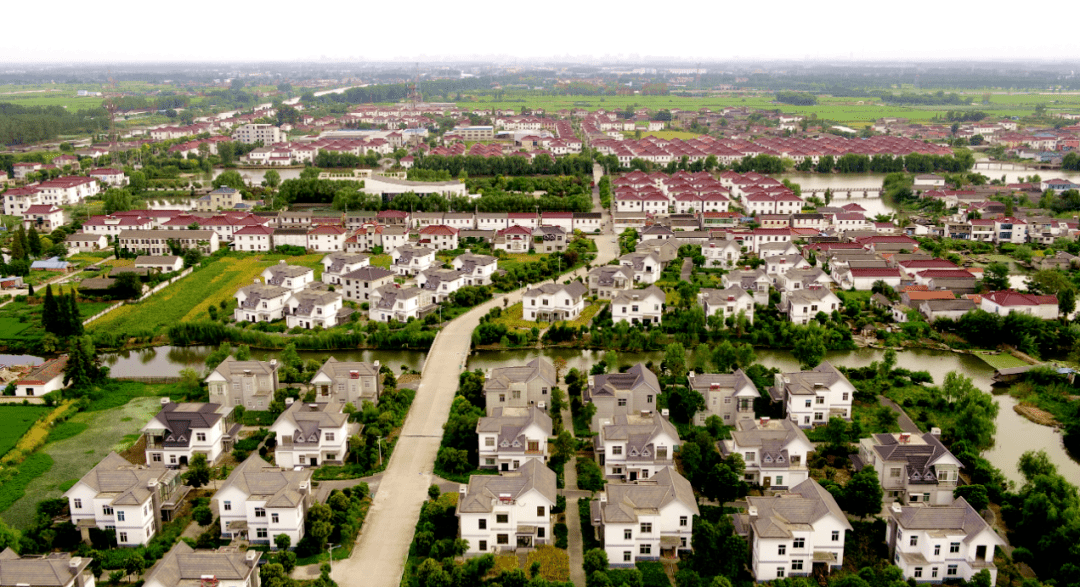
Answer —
(440, 282)
(184, 566)
(774, 452)
(520, 386)
(810, 398)
(311, 434)
(552, 302)
(478, 269)
(912, 468)
(411, 259)
(607, 281)
(640, 520)
(722, 253)
(133, 500)
(336, 265)
(258, 501)
(646, 266)
(631, 392)
(635, 446)
(550, 239)
(729, 396)
(243, 383)
(790, 533)
(182, 430)
(291, 277)
(360, 283)
(638, 306)
(261, 303)
(514, 239)
(727, 303)
(312, 307)
(353, 382)
(52, 570)
(932, 544)
(803, 305)
(439, 237)
(510, 437)
(393, 302)
(509, 511)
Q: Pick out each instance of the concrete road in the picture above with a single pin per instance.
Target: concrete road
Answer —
(379, 558)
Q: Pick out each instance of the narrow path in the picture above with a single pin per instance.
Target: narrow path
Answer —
(906, 424)
(574, 540)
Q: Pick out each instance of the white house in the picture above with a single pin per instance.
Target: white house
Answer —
(411, 260)
(352, 382)
(520, 386)
(162, 264)
(337, 264)
(644, 306)
(728, 396)
(722, 253)
(640, 520)
(84, 242)
(261, 303)
(439, 237)
(810, 398)
(311, 434)
(440, 282)
(54, 570)
(803, 305)
(792, 532)
(311, 307)
(727, 303)
(774, 452)
(608, 281)
(254, 238)
(182, 430)
(912, 468)
(932, 544)
(1008, 301)
(184, 566)
(243, 383)
(360, 283)
(502, 513)
(133, 500)
(514, 239)
(635, 446)
(554, 301)
(392, 302)
(478, 269)
(43, 217)
(646, 266)
(511, 437)
(45, 378)
(259, 501)
(291, 277)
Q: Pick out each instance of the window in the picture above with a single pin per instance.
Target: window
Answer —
(628, 534)
(844, 396)
(482, 524)
(483, 545)
(123, 537)
(819, 400)
(918, 572)
(226, 505)
(274, 518)
(808, 403)
(951, 571)
(646, 527)
(622, 402)
(502, 539)
(540, 511)
(798, 543)
(77, 502)
(780, 572)
(954, 547)
(172, 459)
(502, 398)
(937, 550)
(502, 518)
(146, 510)
(200, 436)
(683, 520)
(836, 536)
(796, 565)
(260, 513)
(156, 457)
(645, 549)
(616, 450)
(781, 550)
(648, 399)
(107, 510)
(540, 532)
(627, 556)
(914, 540)
(933, 572)
(749, 457)
(894, 472)
(261, 533)
(329, 437)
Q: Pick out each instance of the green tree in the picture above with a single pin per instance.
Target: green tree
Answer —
(675, 360)
(996, 277)
(272, 179)
(320, 523)
(809, 347)
(1034, 464)
(863, 493)
(198, 473)
(229, 178)
(49, 312)
(18, 245)
(595, 560)
(1066, 302)
(83, 366)
(33, 242)
(203, 515)
(243, 353)
(975, 495)
(282, 541)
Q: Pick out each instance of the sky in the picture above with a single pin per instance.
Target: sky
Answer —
(427, 30)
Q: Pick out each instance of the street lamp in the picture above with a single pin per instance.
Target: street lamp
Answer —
(331, 550)
(380, 449)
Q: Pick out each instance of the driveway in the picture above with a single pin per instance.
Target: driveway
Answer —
(906, 424)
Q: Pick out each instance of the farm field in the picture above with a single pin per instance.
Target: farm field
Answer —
(15, 421)
(189, 298)
(1002, 361)
(107, 430)
(22, 321)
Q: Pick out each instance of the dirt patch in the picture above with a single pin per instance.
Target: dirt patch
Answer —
(1036, 415)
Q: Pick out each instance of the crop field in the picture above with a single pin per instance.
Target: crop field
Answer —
(15, 421)
(73, 456)
(189, 298)
(1002, 361)
(21, 321)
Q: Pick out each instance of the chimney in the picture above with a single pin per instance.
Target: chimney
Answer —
(165, 401)
(895, 507)
(462, 489)
(905, 438)
(377, 365)
(273, 362)
(289, 401)
(936, 432)
(313, 407)
(281, 262)
(752, 511)
(74, 562)
(251, 558)
(664, 412)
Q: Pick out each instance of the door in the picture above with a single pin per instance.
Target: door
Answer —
(313, 461)
(633, 475)
(980, 552)
(766, 482)
(506, 466)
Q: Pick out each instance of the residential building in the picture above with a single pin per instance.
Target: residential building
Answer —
(509, 511)
(243, 383)
(393, 302)
(58, 569)
(729, 396)
(85, 242)
(310, 308)
(608, 281)
(774, 451)
(43, 217)
(635, 446)
(312, 434)
(810, 398)
(440, 282)
(551, 302)
(646, 266)
(645, 519)
(259, 502)
(42, 379)
(352, 382)
(222, 198)
(157, 242)
(513, 239)
(803, 305)
(511, 437)
(478, 269)
(254, 238)
(411, 260)
(261, 303)
(337, 264)
(184, 566)
(267, 134)
(644, 306)
(791, 533)
(631, 392)
(722, 253)
(160, 264)
(941, 543)
(182, 430)
(291, 277)
(1007, 301)
(520, 386)
(912, 468)
(439, 237)
(133, 500)
(727, 303)
(551, 239)
(360, 283)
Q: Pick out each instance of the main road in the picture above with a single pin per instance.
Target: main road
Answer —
(379, 558)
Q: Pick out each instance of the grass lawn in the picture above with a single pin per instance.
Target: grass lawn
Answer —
(113, 429)
(1002, 361)
(188, 298)
(15, 421)
(512, 318)
(381, 261)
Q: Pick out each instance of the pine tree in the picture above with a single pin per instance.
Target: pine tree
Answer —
(18, 246)
(75, 325)
(49, 312)
(33, 242)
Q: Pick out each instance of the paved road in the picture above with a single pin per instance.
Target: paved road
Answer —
(379, 558)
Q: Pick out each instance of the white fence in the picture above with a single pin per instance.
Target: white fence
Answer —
(102, 313)
(153, 291)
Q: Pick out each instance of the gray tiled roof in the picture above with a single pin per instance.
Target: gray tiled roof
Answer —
(803, 382)
(181, 419)
(626, 500)
(368, 274)
(510, 423)
(574, 289)
(607, 274)
(633, 378)
(280, 487)
(125, 482)
(54, 570)
(958, 517)
(483, 490)
(800, 507)
(632, 295)
(184, 566)
(501, 377)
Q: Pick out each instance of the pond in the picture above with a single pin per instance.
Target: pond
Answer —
(167, 361)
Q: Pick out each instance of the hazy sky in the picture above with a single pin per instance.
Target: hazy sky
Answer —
(201, 30)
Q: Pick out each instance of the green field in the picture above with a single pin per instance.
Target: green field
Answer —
(15, 421)
(20, 321)
(1002, 361)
